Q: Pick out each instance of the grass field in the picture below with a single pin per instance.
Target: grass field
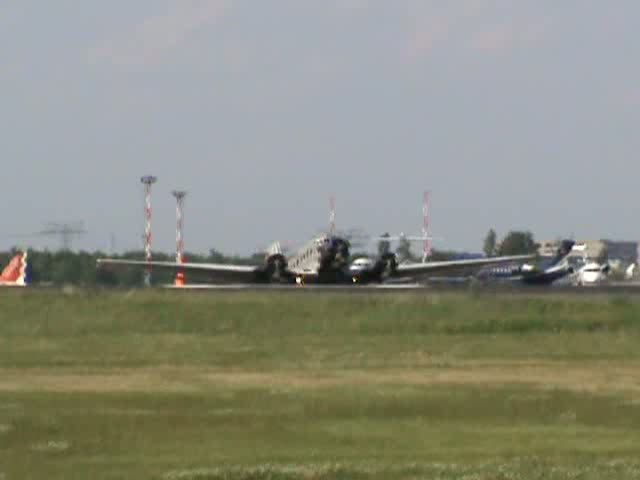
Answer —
(202, 386)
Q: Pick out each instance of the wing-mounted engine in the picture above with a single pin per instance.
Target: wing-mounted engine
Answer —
(275, 266)
(382, 269)
(387, 262)
(342, 256)
(334, 254)
(386, 265)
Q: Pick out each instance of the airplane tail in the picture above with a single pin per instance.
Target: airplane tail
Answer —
(563, 251)
(17, 272)
(274, 249)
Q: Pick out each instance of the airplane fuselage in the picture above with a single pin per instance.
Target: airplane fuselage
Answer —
(324, 259)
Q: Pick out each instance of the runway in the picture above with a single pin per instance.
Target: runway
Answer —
(612, 289)
(621, 289)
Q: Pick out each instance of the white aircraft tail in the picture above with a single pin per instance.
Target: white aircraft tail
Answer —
(17, 272)
(274, 249)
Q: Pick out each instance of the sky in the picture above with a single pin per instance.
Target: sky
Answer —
(515, 115)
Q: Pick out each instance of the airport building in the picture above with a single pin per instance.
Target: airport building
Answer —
(622, 253)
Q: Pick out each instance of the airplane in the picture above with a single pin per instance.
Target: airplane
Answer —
(325, 260)
(592, 273)
(630, 271)
(589, 272)
(17, 273)
(544, 273)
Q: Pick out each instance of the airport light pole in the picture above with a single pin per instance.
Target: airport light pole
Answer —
(426, 241)
(147, 181)
(179, 196)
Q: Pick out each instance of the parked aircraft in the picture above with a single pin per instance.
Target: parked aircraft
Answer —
(630, 271)
(324, 259)
(592, 273)
(543, 273)
(17, 273)
(589, 271)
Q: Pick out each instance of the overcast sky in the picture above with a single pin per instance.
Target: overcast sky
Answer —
(514, 114)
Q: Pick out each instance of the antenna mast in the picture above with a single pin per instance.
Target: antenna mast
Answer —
(426, 241)
(179, 196)
(147, 181)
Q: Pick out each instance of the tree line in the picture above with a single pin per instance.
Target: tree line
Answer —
(514, 243)
(79, 268)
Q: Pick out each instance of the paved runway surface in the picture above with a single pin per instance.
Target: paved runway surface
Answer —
(609, 289)
(627, 289)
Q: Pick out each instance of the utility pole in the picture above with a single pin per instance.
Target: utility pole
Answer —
(66, 231)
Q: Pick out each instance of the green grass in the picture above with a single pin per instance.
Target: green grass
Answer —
(181, 385)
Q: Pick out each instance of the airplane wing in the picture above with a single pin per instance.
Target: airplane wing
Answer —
(240, 273)
(455, 267)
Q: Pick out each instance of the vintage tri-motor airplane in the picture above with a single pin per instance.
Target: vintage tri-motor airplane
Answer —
(326, 260)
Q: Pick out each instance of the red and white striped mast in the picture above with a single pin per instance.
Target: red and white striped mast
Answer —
(147, 181)
(179, 196)
(426, 240)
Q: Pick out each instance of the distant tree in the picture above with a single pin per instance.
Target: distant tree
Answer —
(517, 243)
(489, 247)
(256, 259)
(215, 256)
(442, 255)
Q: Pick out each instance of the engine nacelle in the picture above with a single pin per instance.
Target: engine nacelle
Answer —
(275, 269)
(335, 254)
(388, 265)
(383, 268)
